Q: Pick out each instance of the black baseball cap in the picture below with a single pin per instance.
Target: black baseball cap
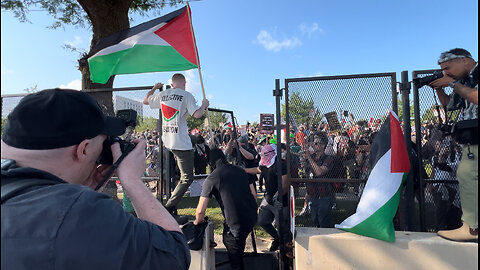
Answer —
(56, 118)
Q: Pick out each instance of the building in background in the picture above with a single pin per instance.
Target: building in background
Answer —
(122, 103)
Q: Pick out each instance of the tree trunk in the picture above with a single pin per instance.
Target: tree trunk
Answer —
(107, 17)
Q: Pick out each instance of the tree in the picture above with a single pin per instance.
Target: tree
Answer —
(105, 17)
(216, 118)
(146, 123)
(400, 112)
(301, 109)
(4, 121)
(193, 123)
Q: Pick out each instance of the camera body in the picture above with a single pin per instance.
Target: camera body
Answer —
(420, 82)
(129, 117)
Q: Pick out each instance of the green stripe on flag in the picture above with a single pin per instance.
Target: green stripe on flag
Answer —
(380, 224)
(138, 59)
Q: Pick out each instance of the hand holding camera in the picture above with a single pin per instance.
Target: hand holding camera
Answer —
(441, 82)
(134, 164)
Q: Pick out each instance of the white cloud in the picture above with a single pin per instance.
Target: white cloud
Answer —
(6, 71)
(309, 30)
(265, 39)
(75, 84)
(77, 41)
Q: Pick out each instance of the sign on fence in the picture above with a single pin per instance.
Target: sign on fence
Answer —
(266, 123)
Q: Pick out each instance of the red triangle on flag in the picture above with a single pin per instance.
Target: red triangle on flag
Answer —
(400, 162)
(178, 33)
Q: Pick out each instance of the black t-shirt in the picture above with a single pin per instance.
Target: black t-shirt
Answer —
(230, 186)
(271, 181)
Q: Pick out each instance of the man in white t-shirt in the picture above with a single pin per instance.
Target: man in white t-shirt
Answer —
(175, 103)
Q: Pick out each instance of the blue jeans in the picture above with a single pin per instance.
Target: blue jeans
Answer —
(321, 211)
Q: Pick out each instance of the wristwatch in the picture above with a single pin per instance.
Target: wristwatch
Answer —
(452, 84)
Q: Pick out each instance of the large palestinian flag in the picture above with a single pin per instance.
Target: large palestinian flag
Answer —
(379, 202)
(163, 44)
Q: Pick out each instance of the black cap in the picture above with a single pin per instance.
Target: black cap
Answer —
(56, 118)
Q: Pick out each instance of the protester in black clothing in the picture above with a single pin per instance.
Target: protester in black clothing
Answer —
(270, 207)
(236, 196)
(200, 155)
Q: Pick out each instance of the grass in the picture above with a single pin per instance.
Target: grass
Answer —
(188, 205)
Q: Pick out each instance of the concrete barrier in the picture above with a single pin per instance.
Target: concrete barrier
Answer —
(325, 248)
(204, 259)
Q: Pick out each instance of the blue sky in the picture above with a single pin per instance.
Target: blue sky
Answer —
(245, 45)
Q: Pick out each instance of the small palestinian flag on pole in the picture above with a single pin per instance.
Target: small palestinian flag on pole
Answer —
(163, 44)
(379, 202)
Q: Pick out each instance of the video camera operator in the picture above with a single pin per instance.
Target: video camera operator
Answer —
(53, 147)
(461, 73)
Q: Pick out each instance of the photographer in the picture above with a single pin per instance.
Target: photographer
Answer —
(55, 220)
(461, 73)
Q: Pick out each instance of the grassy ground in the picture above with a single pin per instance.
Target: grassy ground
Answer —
(188, 205)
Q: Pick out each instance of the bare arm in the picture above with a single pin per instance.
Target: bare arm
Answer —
(317, 170)
(245, 153)
(254, 170)
(201, 208)
(468, 93)
(285, 184)
(146, 205)
(254, 193)
(149, 93)
(198, 113)
(229, 146)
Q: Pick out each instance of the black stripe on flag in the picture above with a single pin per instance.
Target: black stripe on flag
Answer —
(119, 36)
(381, 143)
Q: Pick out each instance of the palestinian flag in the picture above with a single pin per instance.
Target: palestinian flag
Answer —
(380, 198)
(168, 112)
(163, 44)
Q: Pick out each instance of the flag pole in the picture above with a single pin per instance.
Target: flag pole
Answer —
(212, 139)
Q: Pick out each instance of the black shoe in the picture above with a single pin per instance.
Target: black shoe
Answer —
(180, 219)
(274, 246)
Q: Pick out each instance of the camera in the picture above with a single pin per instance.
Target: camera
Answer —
(447, 128)
(420, 82)
(129, 117)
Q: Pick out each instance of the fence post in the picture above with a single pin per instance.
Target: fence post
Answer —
(409, 198)
(418, 148)
(283, 260)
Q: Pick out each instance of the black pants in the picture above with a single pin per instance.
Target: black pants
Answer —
(235, 247)
(269, 213)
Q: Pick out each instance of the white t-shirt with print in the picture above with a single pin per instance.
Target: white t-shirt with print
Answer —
(174, 104)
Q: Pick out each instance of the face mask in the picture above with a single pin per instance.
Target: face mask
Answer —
(284, 155)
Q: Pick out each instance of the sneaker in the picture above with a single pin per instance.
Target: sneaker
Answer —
(462, 234)
(305, 211)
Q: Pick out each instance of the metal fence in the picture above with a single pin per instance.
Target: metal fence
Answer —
(349, 111)
(439, 156)
(359, 104)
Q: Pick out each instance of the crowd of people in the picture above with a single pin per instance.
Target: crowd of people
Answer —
(53, 173)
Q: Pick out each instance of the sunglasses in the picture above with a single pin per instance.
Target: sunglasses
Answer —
(268, 152)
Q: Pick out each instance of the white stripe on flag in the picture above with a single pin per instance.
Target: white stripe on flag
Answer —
(381, 186)
(146, 37)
